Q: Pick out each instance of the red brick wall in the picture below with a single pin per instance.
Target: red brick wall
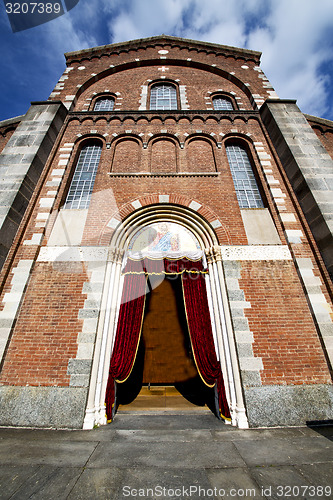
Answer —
(284, 333)
(47, 327)
(5, 135)
(200, 156)
(126, 156)
(163, 156)
(326, 138)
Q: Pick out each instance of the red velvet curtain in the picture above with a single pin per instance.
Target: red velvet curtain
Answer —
(127, 336)
(201, 335)
(198, 318)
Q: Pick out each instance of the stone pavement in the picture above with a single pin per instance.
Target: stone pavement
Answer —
(167, 456)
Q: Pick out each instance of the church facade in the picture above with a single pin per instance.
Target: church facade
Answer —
(166, 220)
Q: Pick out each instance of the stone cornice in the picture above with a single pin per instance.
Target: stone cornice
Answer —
(172, 41)
(166, 174)
(165, 114)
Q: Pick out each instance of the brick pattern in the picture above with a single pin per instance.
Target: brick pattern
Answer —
(47, 326)
(284, 333)
(79, 366)
(5, 135)
(250, 365)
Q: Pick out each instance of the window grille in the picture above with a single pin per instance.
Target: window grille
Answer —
(222, 103)
(245, 183)
(82, 184)
(104, 104)
(163, 97)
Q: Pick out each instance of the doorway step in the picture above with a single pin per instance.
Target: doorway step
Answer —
(161, 399)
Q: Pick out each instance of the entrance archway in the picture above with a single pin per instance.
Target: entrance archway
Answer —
(130, 238)
(164, 375)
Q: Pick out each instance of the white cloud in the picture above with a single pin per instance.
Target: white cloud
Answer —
(291, 34)
(65, 34)
(144, 18)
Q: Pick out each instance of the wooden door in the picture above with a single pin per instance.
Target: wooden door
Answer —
(167, 349)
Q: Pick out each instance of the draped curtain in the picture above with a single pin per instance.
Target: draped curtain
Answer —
(198, 318)
(201, 335)
(127, 337)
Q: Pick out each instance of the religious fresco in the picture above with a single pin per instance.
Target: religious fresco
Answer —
(164, 237)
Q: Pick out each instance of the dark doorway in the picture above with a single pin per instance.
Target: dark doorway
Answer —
(164, 365)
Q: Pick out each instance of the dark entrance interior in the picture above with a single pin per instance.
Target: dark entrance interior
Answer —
(164, 372)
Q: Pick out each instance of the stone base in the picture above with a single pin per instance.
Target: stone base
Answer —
(278, 405)
(56, 407)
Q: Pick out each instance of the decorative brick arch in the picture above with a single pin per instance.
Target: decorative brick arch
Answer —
(205, 212)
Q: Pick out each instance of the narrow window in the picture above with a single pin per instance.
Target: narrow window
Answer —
(245, 183)
(104, 104)
(222, 103)
(163, 96)
(82, 184)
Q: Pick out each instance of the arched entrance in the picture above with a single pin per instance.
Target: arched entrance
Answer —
(151, 242)
(164, 375)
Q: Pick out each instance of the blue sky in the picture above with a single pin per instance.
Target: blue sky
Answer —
(295, 37)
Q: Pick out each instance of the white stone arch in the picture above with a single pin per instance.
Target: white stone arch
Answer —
(217, 299)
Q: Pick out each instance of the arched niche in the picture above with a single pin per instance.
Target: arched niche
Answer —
(163, 157)
(126, 156)
(200, 155)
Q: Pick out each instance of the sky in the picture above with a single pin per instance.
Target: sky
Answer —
(294, 36)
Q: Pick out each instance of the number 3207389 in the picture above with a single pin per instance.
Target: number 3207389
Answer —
(33, 8)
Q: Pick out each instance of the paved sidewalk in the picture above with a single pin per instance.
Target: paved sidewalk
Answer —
(166, 456)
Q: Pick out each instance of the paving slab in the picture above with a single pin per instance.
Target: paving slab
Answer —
(166, 454)
(162, 435)
(232, 434)
(278, 482)
(26, 452)
(318, 474)
(98, 484)
(171, 483)
(94, 435)
(234, 483)
(285, 451)
(167, 421)
(47, 483)
(13, 476)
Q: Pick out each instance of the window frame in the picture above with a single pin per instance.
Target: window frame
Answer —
(78, 168)
(161, 83)
(257, 198)
(226, 96)
(101, 97)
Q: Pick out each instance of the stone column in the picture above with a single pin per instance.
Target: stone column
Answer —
(309, 168)
(21, 164)
(226, 338)
(95, 410)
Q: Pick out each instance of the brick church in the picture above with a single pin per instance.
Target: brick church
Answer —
(166, 222)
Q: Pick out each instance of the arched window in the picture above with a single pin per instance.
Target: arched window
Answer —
(222, 103)
(245, 183)
(104, 104)
(82, 184)
(163, 96)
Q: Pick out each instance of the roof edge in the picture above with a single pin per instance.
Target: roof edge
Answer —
(165, 39)
(11, 121)
(321, 121)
